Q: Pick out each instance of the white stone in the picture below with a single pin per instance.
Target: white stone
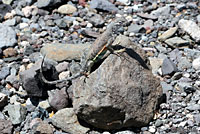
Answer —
(182, 124)
(106, 133)
(89, 25)
(132, 34)
(126, 2)
(196, 63)
(67, 9)
(23, 25)
(191, 28)
(152, 129)
(64, 75)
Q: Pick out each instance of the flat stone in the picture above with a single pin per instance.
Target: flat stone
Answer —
(105, 100)
(6, 126)
(67, 9)
(103, 5)
(136, 28)
(61, 52)
(155, 63)
(147, 16)
(161, 11)
(167, 34)
(7, 36)
(67, 120)
(17, 113)
(168, 67)
(177, 42)
(191, 28)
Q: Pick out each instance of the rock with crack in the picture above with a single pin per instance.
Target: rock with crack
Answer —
(120, 92)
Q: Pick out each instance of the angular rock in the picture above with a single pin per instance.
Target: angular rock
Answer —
(168, 67)
(67, 9)
(6, 126)
(7, 36)
(60, 52)
(162, 11)
(58, 99)
(103, 5)
(4, 72)
(168, 34)
(119, 93)
(191, 28)
(67, 120)
(17, 113)
(136, 28)
(177, 42)
(155, 63)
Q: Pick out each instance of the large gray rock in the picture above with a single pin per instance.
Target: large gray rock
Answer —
(120, 93)
(7, 36)
(17, 113)
(30, 81)
(191, 28)
(31, 78)
(168, 67)
(103, 5)
(67, 120)
(5, 126)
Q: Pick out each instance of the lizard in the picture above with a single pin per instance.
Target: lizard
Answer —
(99, 48)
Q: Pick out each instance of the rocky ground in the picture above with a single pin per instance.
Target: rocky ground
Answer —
(168, 31)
